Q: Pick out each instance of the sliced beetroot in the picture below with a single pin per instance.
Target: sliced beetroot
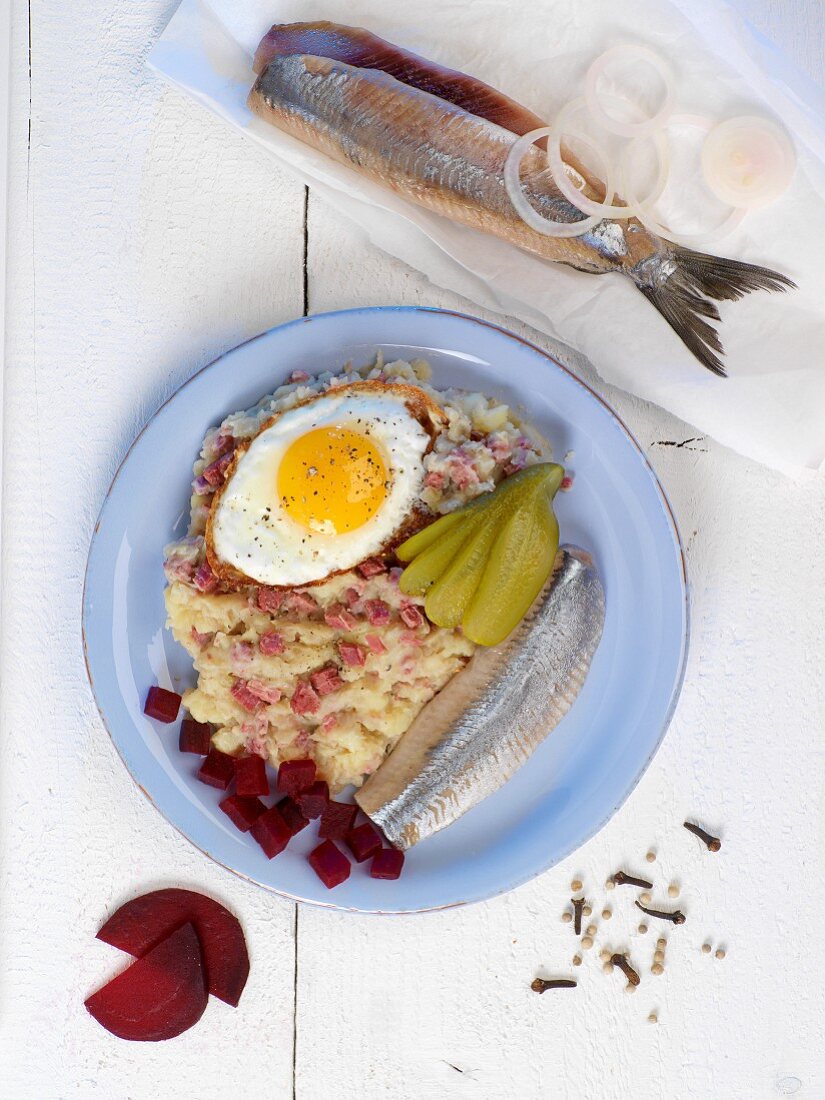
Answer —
(337, 819)
(250, 776)
(295, 776)
(272, 832)
(162, 705)
(314, 799)
(330, 864)
(218, 769)
(242, 812)
(142, 923)
(157, 997)
(364, 841)
(388, 863)
(290, 811)
(195, 737)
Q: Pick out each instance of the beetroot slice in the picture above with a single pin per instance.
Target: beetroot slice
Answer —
(250, 776)
(218, 769)
(337, 819)
(162, 705)
(314, 799)
(141, 924)
(157, 997)
(295, 776)
(290, 811)
(388, 863)
(272, 832)
(364, 841)
(330, 864)
(195, 737)
(242, 812)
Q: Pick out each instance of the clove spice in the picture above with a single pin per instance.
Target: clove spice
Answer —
(578, 906)
(712, 843)
(622, 879)
(622, 962)
(676, 917)
(541, 985)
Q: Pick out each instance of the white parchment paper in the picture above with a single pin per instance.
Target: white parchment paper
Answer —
(772, 407)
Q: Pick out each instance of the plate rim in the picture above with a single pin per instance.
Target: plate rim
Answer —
(669, 517)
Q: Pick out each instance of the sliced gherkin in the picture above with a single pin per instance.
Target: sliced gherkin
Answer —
(421, 540)
(450, 596)
(428, 565)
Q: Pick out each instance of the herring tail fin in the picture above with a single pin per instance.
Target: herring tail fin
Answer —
(685, 298)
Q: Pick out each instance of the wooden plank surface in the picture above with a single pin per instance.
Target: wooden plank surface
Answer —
(145, 239)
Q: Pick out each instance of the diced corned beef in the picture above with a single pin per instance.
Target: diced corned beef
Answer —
(204, 579)
(434, 479)
(241, 653)
(371, 568)
(337, 616)
(178, 569)
(202, 640)
(378, 612)
(375, 643)
(352, 654)
(299, 376)
(395, 574)
(201, 487)
(326, 680)
(241, 693)
(301, 603)
(411, 637)
(266, 692)
(222, 444)
(411, 616)
(566, 483)
(499, 446)
(304, 699)
(351, 596)
(215, 472)
(271, 643)
(461, 469)
(270, 599)
(329, 722)
(162, 705)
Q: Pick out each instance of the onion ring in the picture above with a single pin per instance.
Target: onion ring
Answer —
(609, 122)
(748, 161)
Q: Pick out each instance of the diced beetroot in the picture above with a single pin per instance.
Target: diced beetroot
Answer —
(378, 612)
(217, 770)
(242, 812)
(351, 596)
(411, 616)
(330, 864)
(162, 705)
(247, 699)
(290, 811)
(266, 692)
(301, 603)
(272, 832)
(337, 616)
(304, 699)
(337, 820)
(142, 923)
(371, 567)
(270, 599)
(352, 654)
(388, 863)
(326, 680)
(375, 643)
(364, 841)
(157, 997)
(204, 579)
(271, 643)
(314, 799)
(250, 776)
(195, 737)
(215, 472)
(295, 776)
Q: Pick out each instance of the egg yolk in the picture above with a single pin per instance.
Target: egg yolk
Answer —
(332, 480)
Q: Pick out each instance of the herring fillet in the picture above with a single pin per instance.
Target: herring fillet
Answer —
(437, 154)
(487, 721)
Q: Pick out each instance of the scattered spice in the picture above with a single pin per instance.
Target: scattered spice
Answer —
(658, 956)
(653, 1018)
(623, 879)
(610, 884)
(645, 898)
(642, 929)
(578, 905)
(661, 942)
(541, 985)
(576, 885)
(621, 961)
(676, 917)
(607, 914)
(651, 857)
(607, 967)
(588, 910)
(706, 948)
(712, 843)
(719, 953)
(590, 930)
(673, 890)
(587, 942)
(657, 969)
(566, 916)
(604, 955)
(577, 960)
(630, 988)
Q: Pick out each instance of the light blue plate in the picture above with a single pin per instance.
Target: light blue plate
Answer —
(589, 765)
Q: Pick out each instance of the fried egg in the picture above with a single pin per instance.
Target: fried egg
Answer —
(324, 485)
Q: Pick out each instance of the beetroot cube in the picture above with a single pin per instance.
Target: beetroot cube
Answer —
(364, 841)
(388, 863)
(295, 776)
(162, 705)
(242, 812)
(314, 799)
(217, 769)
(250, 776)
(329, 864)
(337, 820)
(195, 737)
(271, 832)
(290, 811)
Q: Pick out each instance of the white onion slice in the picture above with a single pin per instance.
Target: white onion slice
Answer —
(633, 53)
(604, 209)
(748, 161)
(646, 214)
(512, 182)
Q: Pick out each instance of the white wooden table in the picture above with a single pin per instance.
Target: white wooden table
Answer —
(144, 240)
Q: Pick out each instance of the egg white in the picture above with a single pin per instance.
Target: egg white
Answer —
(250, 528)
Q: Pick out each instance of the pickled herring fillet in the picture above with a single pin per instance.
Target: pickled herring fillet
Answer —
(488, 720)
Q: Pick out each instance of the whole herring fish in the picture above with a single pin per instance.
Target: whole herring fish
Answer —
(438, 154)
(471, 737)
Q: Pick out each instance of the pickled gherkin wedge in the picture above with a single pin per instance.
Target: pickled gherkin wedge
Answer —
(451, 594)
(431, 563)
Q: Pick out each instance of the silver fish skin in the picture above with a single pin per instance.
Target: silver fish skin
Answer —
(488, 720)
